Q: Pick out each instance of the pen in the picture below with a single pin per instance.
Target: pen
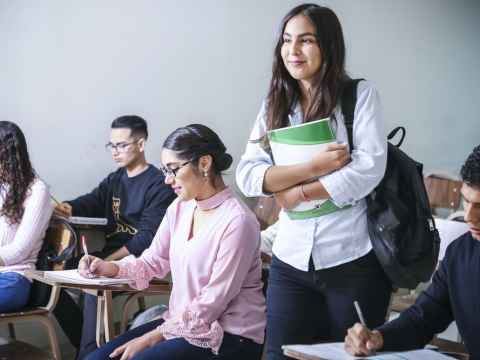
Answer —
(85, 250)
(362, 320)
(57, 202)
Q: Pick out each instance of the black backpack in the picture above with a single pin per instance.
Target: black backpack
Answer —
(39, 291)
(400, 222)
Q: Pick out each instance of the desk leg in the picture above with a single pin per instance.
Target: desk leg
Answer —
(108, 317)
(100, 316)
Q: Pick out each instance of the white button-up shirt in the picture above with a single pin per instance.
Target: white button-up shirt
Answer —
(338, 237)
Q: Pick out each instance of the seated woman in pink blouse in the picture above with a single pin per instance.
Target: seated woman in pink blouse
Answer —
(210, 241)
(24, 214)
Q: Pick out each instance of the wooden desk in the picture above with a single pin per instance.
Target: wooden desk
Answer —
(104, 295)
(83, 227)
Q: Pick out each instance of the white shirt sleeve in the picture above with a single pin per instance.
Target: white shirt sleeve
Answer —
(255, 162)
(369, 157)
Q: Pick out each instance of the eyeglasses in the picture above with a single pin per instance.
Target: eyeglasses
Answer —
(119, 147)
(171, 172)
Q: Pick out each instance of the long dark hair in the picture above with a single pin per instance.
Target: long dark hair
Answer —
(16, 172)
(329, 82)
(194, 141)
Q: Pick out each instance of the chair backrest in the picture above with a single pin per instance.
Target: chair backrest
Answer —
(449, 230)
(443, 190)
(58, 238)
(266, 209)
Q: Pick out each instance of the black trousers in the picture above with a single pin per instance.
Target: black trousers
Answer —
(300, 302)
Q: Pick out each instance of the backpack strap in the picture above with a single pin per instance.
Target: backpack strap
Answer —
(394, 132)
(66, 252)
(349, 100)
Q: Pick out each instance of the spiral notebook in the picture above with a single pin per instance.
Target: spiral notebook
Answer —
(87, 220)
(72, 276)
(297, 144)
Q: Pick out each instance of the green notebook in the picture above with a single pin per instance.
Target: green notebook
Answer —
(296, 144)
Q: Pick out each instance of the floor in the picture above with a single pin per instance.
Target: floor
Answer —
(34, 332)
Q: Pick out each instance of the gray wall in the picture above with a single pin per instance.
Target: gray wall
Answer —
(68, 68)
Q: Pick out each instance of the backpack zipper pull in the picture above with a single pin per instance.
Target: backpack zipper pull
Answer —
(430, 221)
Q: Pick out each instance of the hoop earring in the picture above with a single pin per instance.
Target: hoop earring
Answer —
(205, 177)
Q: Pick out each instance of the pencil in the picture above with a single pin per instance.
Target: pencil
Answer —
(57, 202)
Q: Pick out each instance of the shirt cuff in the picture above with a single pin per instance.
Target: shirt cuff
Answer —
(337, 191)
(133, 268)
(195, 330)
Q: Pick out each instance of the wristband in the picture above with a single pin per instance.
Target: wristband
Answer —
(303, 194)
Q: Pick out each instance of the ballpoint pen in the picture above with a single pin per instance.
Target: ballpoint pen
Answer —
(362, 320)
(85, 250)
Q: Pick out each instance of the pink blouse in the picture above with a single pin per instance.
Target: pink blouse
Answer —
(20, 243)
(216, 274)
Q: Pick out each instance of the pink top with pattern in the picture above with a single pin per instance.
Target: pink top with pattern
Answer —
(20, 243)
(216, 274)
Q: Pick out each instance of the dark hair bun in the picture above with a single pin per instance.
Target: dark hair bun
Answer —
(196, 140)
(223, 162)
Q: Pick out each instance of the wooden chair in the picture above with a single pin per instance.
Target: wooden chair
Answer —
(448, 230)
(59, 238)
(443, 189)
(266, 209)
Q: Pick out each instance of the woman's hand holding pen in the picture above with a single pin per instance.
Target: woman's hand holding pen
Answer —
(97, 268)
(358, 343)
(330, 159)
(137, 345)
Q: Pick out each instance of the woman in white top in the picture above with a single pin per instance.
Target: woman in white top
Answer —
(321, 263)
(24, 215)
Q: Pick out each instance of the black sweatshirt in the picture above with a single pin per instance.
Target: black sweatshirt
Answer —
(454, 294)
(133, 206)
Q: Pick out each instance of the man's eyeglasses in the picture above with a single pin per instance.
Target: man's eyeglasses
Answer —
(119, 147)
(171, 172)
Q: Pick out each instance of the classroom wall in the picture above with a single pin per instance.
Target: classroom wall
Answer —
(68, 68)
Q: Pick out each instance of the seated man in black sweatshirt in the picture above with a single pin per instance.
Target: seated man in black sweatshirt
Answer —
(133, 199)
(452, 295)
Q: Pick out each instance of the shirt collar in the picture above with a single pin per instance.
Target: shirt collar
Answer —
(216, 200)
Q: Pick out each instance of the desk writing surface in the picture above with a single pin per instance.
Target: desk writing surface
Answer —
(335, 351)
(105, 328)
(155, 284)
(92, 227)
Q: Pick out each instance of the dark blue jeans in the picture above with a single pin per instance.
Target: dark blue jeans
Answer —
(298, 301)
(14, 291)
(234, 347)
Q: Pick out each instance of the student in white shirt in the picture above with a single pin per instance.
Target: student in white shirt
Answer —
(325, 260)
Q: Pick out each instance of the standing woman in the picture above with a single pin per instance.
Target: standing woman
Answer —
(210, 241)
(324, 262)
(24, 214)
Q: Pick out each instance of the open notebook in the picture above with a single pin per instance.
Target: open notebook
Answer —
(335, 351)
(72, 276)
